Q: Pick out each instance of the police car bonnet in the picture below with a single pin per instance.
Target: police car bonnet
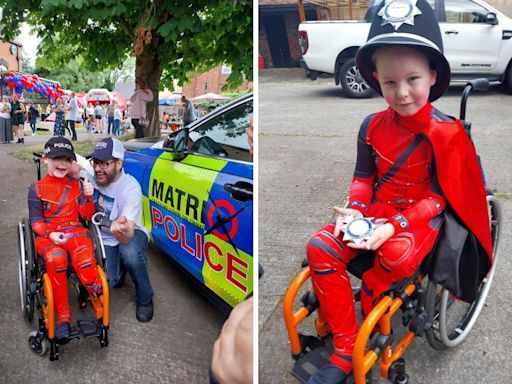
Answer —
(410, 23)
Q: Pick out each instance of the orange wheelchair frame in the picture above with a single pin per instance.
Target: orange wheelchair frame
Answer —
(392, 365)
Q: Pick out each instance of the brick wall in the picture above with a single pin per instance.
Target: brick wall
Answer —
(8, 58)
(211, 81)
(263, 48)
(291, 22)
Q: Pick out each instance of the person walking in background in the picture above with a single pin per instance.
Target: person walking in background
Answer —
(138, 113)
(72, 109)
(110, 116)
(58, 127)
(33, 115)
(98, 113)
(18, 118)
(188, 111)
(118, 117)
(5, 121)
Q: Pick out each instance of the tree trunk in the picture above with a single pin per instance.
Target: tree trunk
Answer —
(147, 68)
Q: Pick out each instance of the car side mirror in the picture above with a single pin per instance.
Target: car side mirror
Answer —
(491, 18)
(177, 143)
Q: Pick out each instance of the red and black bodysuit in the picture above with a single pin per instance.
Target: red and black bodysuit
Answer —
(54, 206)
(412, 200)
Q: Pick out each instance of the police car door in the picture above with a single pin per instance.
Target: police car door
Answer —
(205, 214)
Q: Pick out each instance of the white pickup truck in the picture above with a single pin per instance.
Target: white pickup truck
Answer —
(477, 42)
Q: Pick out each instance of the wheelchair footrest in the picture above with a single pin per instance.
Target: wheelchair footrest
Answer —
(87, 328)
(308, 364)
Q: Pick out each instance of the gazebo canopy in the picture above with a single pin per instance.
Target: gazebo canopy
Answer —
(210, 97)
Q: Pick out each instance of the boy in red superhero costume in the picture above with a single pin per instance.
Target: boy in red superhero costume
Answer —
(55, 203)
(412, 161)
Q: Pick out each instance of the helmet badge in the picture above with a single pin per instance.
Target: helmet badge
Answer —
(398, 12)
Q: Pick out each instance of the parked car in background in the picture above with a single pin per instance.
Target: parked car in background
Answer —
(197, 187)
(477, 42)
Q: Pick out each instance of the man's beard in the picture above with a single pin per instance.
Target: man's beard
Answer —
(109, 178)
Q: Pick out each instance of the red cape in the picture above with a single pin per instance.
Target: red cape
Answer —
(460, 178)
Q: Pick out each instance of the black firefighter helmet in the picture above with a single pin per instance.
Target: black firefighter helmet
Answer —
(409, 23)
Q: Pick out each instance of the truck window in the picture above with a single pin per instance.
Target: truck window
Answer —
(464, 11)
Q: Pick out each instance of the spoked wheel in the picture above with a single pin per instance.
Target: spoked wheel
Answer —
(26, 268)
(452, 319)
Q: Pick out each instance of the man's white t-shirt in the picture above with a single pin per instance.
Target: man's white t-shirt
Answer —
(123, 197)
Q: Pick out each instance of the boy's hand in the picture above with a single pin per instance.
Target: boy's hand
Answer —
(378, 237)
(342, 212)
(59, 237)
(122, 229)
(88, 187)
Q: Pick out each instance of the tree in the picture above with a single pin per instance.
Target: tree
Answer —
(170, 38)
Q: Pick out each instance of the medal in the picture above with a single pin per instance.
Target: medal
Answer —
(357, 229)
(398, 12)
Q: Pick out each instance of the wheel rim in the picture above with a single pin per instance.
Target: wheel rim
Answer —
(355, 81)
(22, 267)
(458, 334)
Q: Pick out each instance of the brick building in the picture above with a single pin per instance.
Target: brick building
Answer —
(279, 21)
(211, 81)
(10, 56)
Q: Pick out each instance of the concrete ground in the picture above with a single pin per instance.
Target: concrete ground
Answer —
(175, 347)
(307, 136)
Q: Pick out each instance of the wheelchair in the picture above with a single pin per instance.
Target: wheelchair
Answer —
(427, 308)
(36, 290)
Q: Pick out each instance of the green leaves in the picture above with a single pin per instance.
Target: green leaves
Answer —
(186, 35)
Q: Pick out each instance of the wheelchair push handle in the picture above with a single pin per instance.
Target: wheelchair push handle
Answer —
(101, 220)
(476, 84)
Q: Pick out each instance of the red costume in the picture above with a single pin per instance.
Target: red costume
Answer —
(442, 168)
(54, 206)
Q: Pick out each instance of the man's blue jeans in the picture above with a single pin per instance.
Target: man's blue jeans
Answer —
(132, 258)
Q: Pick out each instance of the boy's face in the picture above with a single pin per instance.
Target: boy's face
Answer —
(58, 166)
(405, 78)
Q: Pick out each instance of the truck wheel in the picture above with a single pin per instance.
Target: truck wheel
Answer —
(508, 79)
(352, 82)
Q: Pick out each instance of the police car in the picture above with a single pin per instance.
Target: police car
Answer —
(197, 188)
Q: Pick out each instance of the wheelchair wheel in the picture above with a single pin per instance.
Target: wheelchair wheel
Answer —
(27, 268)
(37, 343)
(452, 319)
(99, 249)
